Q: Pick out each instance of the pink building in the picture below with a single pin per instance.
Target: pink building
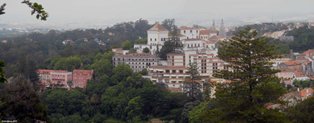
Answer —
(62, 78)
(81, 77)
(50, 78)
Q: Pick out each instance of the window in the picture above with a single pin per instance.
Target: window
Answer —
(184, 31)
(173, 71)
(181, 71)
(151, 39)
(191, 31)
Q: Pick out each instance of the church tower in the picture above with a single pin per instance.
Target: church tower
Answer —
(213, 25)
(222, 31)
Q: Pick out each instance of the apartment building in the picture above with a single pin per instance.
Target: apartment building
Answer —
(136, 61)
(81, 77)
(172, 76)
(63, 78)
(49, 78)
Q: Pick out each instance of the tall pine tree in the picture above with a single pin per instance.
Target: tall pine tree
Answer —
(2, 79)
(253, 82)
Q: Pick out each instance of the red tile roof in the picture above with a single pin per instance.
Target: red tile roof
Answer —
(158, 27)
(299, 73)
(309, 52)
(306, 92)
(291, 62)
(186, 28)
(169, 67)
(138, 55)
(204, 32)
(49, 71)
(175, 89)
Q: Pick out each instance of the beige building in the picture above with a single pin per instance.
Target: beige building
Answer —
(172, 76)
(136, 61)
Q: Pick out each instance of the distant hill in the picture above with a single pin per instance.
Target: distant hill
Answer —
(36, 48)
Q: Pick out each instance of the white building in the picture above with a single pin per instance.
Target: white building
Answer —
(156, 36)
(190, 32)
(137, 61)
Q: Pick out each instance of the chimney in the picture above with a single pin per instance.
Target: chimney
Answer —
(298, 89)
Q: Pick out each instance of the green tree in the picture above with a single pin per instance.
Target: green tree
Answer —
(252, 81)
(193, 87)
(37, 9)
(62, 101)
(67, 63)
(303, 84)
(141, 41)
(170, 25)
(122, 72)
(21, 102)
(146, 50)
(2, 78)
(169, 46)
(302, 112)
(126, 45)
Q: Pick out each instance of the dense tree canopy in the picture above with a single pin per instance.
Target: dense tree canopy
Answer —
(2, 79)
(20, 101)
(302, 112)
(114, 93)
(169, 46)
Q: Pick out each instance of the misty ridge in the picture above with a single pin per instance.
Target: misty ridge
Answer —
(148, 61)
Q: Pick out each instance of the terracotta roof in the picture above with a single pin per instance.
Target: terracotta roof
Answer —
(83, 71)
(193, 40)
(48, 71)
(188, 80)
(169, 67)
(211, 41)
(291, 62)
(158, 27)
(186, 28)
(306, 92)
(175, 89)
(299, 73)
(146, 55)
(204, 32)
(309, 52)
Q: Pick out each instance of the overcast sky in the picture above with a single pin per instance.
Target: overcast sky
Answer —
(107, 12)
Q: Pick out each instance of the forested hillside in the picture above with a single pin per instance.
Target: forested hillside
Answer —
(23, 54)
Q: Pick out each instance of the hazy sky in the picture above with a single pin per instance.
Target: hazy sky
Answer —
(107, 12)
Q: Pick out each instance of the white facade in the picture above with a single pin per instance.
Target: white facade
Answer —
(156, 36)
(172, 76)
(190, 33)
(136, 61)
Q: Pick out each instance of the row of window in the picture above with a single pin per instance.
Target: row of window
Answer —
(155, 39)
(191, 31)
(139, 63)
(118, 59)
(194, 45)
(138, 67)
(174, 71)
